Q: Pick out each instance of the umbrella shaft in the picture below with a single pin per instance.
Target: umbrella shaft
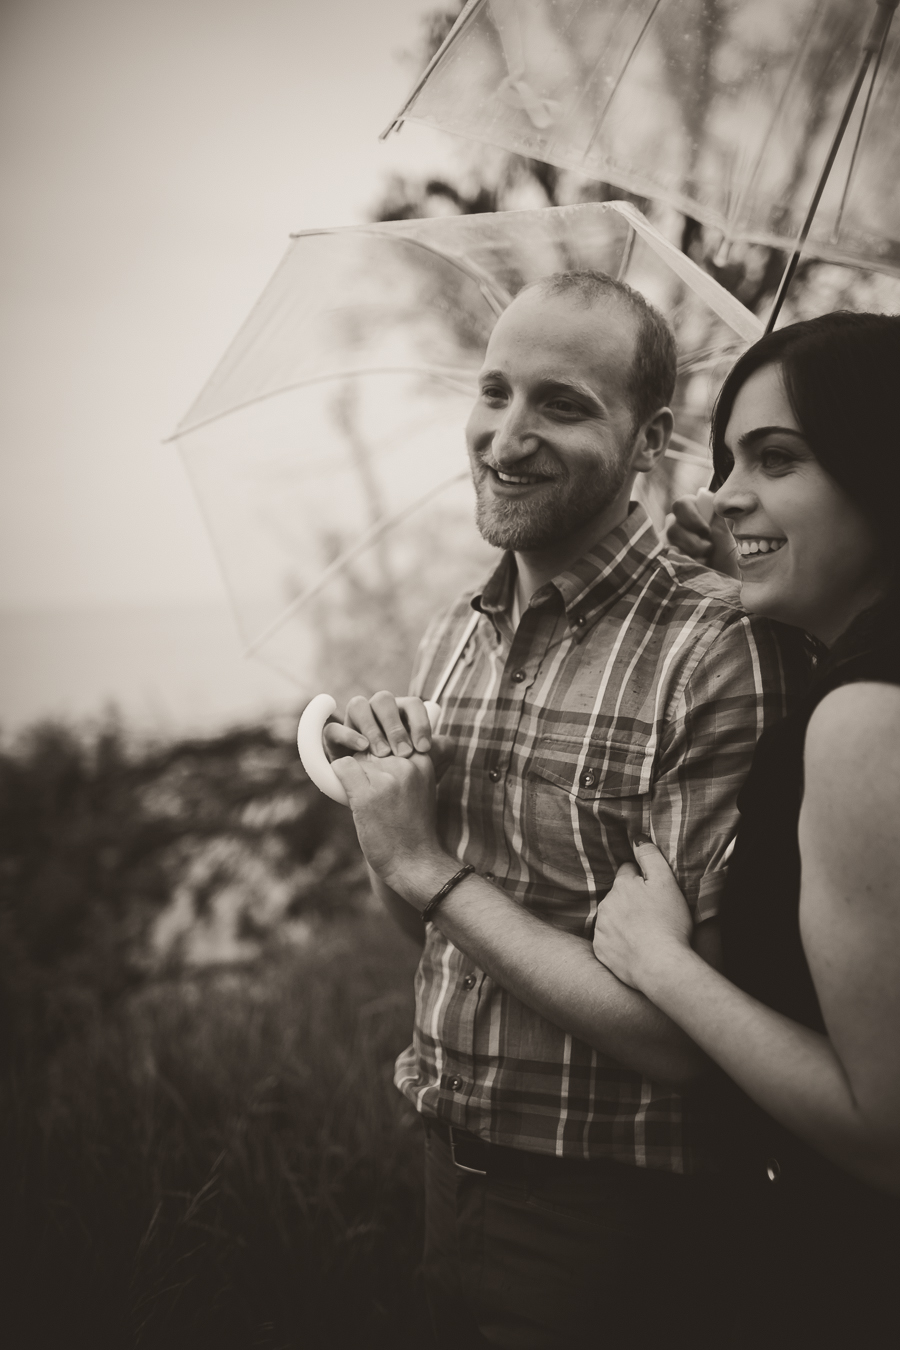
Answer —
(881, 22)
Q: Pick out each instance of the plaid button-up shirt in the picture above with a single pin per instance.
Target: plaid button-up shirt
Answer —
(628, 700)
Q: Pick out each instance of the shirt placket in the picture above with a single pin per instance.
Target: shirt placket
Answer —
(523, 660)
(475, 993)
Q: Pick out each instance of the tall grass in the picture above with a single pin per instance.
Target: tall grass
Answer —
(195, 1157)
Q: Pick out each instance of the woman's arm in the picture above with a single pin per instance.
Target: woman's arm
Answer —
(840, 1092)
(551, 971)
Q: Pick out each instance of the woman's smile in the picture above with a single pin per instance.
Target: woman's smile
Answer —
(753, 548)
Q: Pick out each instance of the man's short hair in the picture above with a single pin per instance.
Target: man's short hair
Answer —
(652, 382)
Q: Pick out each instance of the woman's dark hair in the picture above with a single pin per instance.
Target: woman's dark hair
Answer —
(841, 373)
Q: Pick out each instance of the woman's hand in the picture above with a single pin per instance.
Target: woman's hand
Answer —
(394, 810)
(643, 919)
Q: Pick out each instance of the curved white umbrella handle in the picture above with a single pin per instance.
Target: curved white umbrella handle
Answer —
(312, 754)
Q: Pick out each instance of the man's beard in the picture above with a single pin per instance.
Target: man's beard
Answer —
(560, 508)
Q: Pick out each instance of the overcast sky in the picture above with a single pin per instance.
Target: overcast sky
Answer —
(154, 156)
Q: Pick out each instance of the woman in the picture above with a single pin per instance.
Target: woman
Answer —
(805, 1017)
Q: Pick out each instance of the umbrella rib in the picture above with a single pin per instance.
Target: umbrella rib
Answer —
(881, 22)
(737, 205)
(694, 451)
(619, 78)
(453, 378)
(485, 282)
(498, 302)
(461, 22)
(379, 528)
(838, 220)
(388, 522)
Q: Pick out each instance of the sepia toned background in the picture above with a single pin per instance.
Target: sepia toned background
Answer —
(154, 159)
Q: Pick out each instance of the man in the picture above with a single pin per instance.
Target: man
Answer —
(608, 690)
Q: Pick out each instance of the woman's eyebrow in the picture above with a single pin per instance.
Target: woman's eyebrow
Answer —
(750, 438)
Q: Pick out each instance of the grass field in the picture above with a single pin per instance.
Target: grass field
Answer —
(197, 1154)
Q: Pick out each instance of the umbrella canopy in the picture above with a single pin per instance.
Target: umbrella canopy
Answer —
(724, 109)
(327, 449)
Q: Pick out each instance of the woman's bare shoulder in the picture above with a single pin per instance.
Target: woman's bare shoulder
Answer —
(865, 713)
(852, 754)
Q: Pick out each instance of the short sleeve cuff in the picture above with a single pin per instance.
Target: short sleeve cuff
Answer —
(708, 898)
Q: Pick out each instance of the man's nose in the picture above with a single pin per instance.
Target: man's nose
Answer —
(515, 437)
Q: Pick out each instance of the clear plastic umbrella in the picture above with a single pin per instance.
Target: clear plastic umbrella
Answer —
(327, 449)
(728, 110)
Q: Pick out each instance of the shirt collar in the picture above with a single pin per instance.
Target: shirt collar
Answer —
(591, 584)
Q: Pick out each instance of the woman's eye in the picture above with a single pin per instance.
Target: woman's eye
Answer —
(493, 392)
(772, 459)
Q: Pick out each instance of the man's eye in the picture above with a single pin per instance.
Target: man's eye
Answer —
(493, 391)
(566, 406)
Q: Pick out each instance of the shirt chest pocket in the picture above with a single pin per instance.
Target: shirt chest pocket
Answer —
(595, 770)
(583, 802)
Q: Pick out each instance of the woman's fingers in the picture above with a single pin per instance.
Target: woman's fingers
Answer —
(724, 556)
(689, 516)
(687, 530)
(651, 864)
(711, 543)
(627, 869)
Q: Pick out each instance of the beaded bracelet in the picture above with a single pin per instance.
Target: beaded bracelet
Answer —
(445, 891)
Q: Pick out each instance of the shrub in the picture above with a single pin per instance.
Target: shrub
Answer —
(197, 1155)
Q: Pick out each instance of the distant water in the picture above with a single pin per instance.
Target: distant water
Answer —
(166, 669)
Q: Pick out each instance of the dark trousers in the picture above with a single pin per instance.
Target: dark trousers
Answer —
(546, 1252)
(813, 1264)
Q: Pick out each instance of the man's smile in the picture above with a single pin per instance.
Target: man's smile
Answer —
(503, 476)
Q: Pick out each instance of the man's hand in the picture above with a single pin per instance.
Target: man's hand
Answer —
(643, 919)
(712, 544)
(383, 725)
(393, 805)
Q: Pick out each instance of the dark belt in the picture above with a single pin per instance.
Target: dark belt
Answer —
(474, 1155)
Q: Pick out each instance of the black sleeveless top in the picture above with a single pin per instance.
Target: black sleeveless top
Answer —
(762, 951)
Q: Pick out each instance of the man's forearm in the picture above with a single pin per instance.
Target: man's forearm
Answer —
(402, 913)
(553, 972)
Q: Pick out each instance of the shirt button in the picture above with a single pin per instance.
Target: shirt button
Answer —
(518, 676)
(580, 621)
(488, 876)
(469, 982)
(588, 778)
(773, 1169)
(494, 775)
(454, 1083)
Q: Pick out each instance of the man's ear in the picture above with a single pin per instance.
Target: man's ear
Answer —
(653, 439)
